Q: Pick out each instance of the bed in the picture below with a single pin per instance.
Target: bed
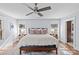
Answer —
(38, 42)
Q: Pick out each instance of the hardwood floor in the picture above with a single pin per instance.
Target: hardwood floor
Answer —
(69, 48)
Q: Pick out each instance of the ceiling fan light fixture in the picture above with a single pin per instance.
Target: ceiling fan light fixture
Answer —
(37, 11)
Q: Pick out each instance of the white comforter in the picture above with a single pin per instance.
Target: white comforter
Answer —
(43, 39)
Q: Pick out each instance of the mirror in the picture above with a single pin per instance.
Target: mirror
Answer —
(54, 30)
(22, 29)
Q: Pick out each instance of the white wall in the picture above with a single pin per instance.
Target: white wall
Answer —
(39, 23)
(8, 34)
(75, 18)
(62, 31)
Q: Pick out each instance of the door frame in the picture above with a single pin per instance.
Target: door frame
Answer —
(74, 32)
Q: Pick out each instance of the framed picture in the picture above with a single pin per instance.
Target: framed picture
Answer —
(11, 26)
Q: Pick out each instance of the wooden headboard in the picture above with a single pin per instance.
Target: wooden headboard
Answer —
(38, 30)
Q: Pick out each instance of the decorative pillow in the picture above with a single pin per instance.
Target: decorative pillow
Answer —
(38, 30)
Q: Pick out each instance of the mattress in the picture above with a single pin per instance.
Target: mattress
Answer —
(42, 39)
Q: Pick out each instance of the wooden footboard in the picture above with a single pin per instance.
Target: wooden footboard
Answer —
(38, 48)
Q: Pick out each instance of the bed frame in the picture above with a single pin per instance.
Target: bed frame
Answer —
(47, 48)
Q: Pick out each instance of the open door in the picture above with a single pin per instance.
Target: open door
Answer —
(69, 33)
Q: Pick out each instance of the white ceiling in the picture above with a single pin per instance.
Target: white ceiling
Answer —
(18, 10)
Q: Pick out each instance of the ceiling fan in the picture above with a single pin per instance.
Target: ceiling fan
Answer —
(36, 10)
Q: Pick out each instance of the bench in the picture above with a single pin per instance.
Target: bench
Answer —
(33, 48)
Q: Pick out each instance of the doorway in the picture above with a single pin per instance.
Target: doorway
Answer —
(70, 33)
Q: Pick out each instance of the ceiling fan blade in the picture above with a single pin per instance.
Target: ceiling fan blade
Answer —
(44, 9)
(40, 14)
(29, 13)
(28, 6)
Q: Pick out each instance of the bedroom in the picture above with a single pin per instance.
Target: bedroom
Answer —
(34, 30)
